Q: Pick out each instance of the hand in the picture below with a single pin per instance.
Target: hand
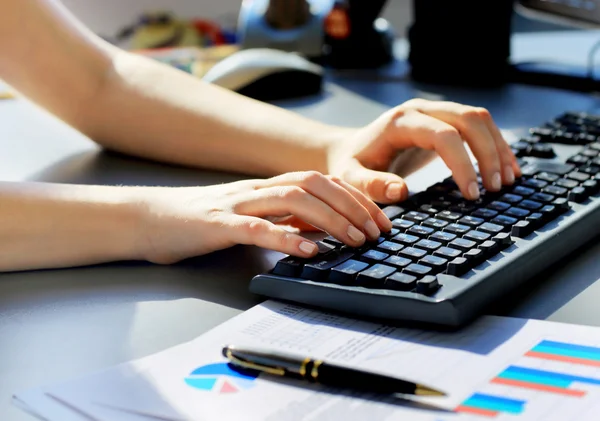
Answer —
(183, 222)
(439, 126)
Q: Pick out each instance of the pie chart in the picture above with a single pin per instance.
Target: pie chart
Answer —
(221, 378)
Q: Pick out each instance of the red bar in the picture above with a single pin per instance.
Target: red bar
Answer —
(563, 358)
(476, 411)
(540, 387)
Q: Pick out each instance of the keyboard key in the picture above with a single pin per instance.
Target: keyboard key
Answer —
(536, 220)
(522, 229)
(417, 270)
(435, 223)
(578, 195)
(390, 247)
(518, 213)
(457, 229)
(477, 236)
(555, 190)
(420, 230)
(427, 285)
(406, 239)
(566, 183)
(474, 257)
(511, 198)
(542, 197)
(503, 240)
(333, 241)
(391, 233)
(436, 263)
(578, 176)
(592, 153)
(416, 216)
(402, 224)
(471, 221)
(523, 191)
(345, 273)
(447, 253)
(562, 204)
(374, 256)
(393, 212)
(578, 160)
(397, 261)
(591, 186)
(545, 176)
(324, 248)
(374, 276)
(400, 282)
(485, 213)
(429, 245)
(489, 248)
(429, 209)
(442, 236)
(490, 228)
(590, 169)
(289, 266)
(499, 206)
(541, 150)
(533, 168)
(412, 253)
(449, 216)
(319, 269)
(462, 244)
(458, 266)
(505, 221)
(530, 205)
(535, 183)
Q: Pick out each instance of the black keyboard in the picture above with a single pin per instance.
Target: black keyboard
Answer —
(447, 258)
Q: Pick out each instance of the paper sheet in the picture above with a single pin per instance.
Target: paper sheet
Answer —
(499, 367)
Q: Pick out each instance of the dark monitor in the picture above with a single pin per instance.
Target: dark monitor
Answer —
(582, 13)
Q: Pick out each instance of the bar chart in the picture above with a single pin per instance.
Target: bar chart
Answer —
(559, 374)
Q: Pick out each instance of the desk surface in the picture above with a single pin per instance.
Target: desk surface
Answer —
(59, 324)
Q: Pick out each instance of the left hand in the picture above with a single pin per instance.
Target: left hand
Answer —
(443, 127)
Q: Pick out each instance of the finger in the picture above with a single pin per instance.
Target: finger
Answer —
(295, 223)
(379, 186)
(259, 232)
(336, 196)
(471, 122)
(293, 200)
(511, 167)
(376, 213)
(427, 132)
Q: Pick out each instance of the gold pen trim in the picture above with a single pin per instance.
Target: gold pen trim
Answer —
(278, 371)
(427, 391)
(314, 373)
(302, 370)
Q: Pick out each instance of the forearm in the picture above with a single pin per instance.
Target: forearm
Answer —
(50, 226)
(151, 110)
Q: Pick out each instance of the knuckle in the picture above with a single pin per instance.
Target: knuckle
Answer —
(254, 228)
(292, 193)
(282, 240)
(310, 178)
(335, 179)
(446, 134)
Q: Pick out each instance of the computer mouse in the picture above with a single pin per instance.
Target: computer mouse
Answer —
(267, 74)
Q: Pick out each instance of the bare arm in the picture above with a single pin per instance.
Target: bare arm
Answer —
(137, 106)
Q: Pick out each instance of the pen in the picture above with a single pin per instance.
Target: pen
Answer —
(315, 370)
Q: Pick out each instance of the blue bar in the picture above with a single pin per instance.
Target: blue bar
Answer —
(545, 376)
(567, 353)
(534, 378)
(572, 347)
(495, 403)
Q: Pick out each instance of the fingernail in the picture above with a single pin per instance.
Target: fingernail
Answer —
(474, 190)
(372, 229)
(307, 247)
(496, 181)
(384, 221)
(393, 191)
(355, 234)
(509, 173)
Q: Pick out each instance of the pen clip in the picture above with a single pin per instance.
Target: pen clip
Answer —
(278, 371)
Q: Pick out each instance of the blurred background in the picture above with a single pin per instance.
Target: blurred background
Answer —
(107, 17)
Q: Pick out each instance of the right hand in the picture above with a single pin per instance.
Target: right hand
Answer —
(185, 222)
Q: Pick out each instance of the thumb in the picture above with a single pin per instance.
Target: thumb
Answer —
(381, 187)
